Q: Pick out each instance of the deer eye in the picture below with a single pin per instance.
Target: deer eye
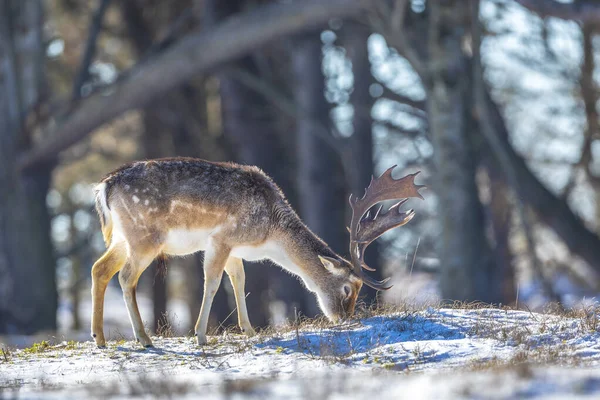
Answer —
(347, 290)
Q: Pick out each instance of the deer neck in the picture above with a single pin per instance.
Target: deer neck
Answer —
(300, 249)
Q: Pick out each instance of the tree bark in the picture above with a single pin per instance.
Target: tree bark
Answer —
(464, 251)
(28, 297)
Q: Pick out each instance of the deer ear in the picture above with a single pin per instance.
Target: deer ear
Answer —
(332, 265)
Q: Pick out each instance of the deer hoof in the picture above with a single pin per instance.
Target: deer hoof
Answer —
(249, 331)
(201, 340)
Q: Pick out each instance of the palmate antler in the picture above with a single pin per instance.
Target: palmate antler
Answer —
(368, 222)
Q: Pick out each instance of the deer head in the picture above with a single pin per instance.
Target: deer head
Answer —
(342, 286)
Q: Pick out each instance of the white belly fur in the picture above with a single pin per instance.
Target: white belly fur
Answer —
(275, 252)
(268, 250)
(181, 242)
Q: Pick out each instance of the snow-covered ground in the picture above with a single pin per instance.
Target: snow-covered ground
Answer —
(434, 353)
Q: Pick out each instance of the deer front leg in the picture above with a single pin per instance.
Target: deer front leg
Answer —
(237, 276)
(102, 272)
(128, 278)
(215, 257)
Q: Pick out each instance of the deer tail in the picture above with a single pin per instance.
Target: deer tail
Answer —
(104, 212)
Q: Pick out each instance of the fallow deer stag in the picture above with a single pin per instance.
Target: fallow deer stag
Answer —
(179, 206)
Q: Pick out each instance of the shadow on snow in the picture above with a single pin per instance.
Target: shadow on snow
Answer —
(370, 334)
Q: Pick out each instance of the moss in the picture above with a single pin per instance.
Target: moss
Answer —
(71, 345)
(37, 347)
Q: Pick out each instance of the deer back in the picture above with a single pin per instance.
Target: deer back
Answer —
(152, 199)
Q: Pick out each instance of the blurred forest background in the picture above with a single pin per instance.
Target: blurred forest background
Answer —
(496, 101)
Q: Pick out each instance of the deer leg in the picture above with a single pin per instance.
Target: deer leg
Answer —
(235, 270)
(128, 278)
(214, 262)
(102, 272)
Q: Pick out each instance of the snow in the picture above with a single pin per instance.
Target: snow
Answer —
(434, 353)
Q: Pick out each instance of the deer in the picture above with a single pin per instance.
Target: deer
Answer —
(178, 206)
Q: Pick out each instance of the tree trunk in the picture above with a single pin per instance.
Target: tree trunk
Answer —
(500, 212)
(192, 139)
(155, 142)
(254, 140)
(28, 297)
(320, 177)
(249, 127)
(464, 251)
(171, 127)
(361, 140)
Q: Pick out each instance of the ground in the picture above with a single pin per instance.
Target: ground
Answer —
(431, 353)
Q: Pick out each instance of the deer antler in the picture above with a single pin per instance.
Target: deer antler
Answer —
(368, 222)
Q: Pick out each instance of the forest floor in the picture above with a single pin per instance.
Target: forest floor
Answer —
(428, 353)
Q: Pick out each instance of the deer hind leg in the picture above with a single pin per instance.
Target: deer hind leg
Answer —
(237, 276)
(102, 272)
(215, 257)
(128, 278)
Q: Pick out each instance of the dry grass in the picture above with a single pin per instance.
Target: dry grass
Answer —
(5, 355)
